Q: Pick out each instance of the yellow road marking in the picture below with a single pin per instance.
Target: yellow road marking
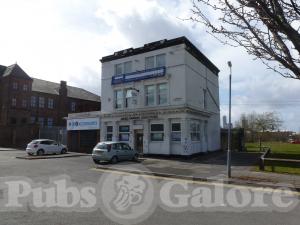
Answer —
(263, 189)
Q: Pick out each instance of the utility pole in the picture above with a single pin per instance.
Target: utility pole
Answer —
(229, 126)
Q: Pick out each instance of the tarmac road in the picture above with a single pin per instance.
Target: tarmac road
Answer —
(182, 198)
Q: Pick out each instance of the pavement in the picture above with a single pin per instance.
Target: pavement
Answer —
(82, 171)
(34, 157)
(211, 167)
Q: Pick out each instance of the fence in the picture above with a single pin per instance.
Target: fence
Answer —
(54, 133)
(237, 139)
(19, 137)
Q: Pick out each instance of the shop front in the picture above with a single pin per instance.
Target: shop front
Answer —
(165, 132)
(83, 131)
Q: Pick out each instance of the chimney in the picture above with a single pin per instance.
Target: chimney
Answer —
(63, 88)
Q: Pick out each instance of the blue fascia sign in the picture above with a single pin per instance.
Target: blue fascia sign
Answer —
(139, 75)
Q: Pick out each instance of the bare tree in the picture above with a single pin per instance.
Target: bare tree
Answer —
(267, 29)
(259, 123)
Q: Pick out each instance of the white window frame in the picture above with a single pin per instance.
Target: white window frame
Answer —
(50, 103)
(175, 132)
(146, 95)
(109, 133)
(195, 134)
(116, 99)
(155, 61)
(157, 132)
(159, 94)
(124, 132)
(41, 102)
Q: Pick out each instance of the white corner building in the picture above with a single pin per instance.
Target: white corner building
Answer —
(161, 98)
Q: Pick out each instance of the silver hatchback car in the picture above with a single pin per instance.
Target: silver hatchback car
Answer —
(113, 152)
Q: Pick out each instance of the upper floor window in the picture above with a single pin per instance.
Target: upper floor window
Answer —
(161, 60)
(15, 85)
(24, 103)
(73, 106)
(128, 67)
(41, 102)
(50, 103)
(118, 69)
(122, 68)
(150, 95)
(149, 62)
(155, 61)
(14, 102)
(33, 101)
(162, 94)
(25, 87)
(118, 99)
(50, 122)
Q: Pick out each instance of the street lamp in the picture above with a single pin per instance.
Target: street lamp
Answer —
(229, 126)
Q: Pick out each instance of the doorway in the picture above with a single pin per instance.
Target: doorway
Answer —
(139, 140)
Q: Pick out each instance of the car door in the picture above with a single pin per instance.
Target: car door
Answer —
(55, 147)
(45, 145)
(127, 151)
(118, 151)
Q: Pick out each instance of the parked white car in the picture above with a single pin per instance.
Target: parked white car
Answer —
(45, 146)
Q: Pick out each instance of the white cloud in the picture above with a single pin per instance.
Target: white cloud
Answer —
(64, 40)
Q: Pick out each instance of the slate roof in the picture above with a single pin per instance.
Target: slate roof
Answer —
(48, 87)
(44, 86)
(14, 69)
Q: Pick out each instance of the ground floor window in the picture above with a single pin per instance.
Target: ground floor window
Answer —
(157, 132)
(124, 133)
(176, 132)
(50, 122)
(195, 130)
(109, 133)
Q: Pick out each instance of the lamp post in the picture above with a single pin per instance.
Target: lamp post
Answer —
(229, 126)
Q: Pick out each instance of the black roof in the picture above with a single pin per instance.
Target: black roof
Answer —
(190, 47)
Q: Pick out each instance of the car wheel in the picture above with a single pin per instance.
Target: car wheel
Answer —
(40, 152)
(135, 158)
(114, 160)
(63, 151)
(96, 161)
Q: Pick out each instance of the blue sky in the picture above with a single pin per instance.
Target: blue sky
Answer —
(64, 40)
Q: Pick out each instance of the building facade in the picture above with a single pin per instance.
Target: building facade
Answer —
(162, 98)
(25, 100)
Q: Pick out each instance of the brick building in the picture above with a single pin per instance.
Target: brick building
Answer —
(25, 100)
